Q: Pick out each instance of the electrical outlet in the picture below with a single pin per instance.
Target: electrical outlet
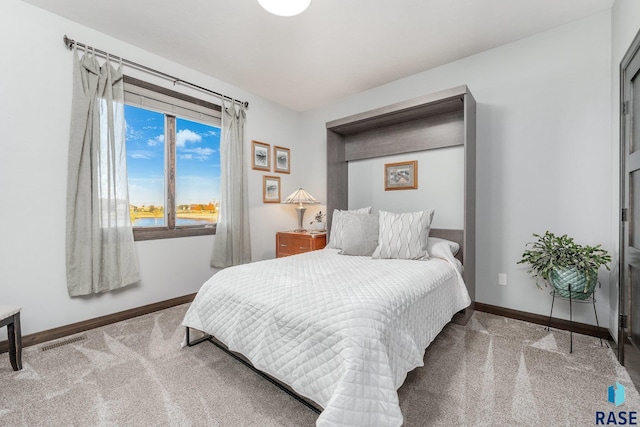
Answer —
(502, 279)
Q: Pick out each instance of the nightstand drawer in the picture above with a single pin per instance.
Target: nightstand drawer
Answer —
(292, 243)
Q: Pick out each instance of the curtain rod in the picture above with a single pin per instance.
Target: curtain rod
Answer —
(70, 42)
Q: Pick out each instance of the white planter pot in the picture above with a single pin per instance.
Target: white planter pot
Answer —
(319, 226)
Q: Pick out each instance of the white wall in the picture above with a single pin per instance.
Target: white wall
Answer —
(35, 104)
(544, 156)
(440, 185)
(625, 24)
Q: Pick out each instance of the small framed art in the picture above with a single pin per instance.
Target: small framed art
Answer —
(281, 159)
(401, 175)
(260, 156)
(271, 189)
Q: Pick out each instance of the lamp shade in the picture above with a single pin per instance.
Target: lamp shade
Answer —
(301, 197)
(285, 7)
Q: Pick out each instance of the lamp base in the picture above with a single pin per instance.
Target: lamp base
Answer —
(300, 210)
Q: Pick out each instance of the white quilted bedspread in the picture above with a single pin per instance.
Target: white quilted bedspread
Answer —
(340, 330)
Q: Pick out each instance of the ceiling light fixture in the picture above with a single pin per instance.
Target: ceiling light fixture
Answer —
(285, 7)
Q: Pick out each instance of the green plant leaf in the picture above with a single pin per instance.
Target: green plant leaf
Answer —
(549, 251)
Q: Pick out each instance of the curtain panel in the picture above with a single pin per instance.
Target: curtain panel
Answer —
(100, 251)
(232, 245)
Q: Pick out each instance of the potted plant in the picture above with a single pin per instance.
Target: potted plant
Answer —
(572, 269)
(319, 224)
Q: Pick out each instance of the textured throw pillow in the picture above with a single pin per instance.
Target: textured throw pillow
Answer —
(335, 235)
(403, 236)
(359, 234)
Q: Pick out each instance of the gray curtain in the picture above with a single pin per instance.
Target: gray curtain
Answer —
(100, 251)
(231, 245)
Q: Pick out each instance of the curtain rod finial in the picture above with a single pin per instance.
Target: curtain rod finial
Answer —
(67, 41)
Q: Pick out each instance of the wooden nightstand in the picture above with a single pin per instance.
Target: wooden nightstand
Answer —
(295, 242)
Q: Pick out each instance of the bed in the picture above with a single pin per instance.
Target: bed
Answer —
(340, 330)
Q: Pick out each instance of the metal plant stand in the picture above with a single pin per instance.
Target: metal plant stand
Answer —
(591, 299)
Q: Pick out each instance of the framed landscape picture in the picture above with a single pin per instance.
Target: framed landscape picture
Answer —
(401, 175)
(281, 159)
(260, 156)
(271, 189)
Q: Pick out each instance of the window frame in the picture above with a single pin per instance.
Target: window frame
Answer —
(189, 108)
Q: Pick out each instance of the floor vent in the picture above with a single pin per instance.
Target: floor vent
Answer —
(62, 342)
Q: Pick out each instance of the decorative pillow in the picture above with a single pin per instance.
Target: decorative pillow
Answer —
(403, 236)
(359, 233)
(335, 235)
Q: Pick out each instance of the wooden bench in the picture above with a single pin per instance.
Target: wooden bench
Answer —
(10, 317)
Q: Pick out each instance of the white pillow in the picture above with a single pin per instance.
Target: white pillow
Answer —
(359, 233)
(335, 235)
(403, 235)
(436, 244)
(444, 249)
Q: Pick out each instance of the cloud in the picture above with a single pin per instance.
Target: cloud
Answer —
(202, 151)
(185, 135)
(131, 133)
(140, 154)
(198, 153)
(156, 140)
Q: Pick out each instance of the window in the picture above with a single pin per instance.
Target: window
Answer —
(173, 162)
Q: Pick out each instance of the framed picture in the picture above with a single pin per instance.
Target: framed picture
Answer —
(281, 159)
(260, 156)
(271, 189)
(401, 175)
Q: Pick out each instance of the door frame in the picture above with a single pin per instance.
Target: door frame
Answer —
(623, 276)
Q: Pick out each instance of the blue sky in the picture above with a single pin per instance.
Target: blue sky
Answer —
(197, 159)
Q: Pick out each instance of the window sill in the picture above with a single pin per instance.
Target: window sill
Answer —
(156, 233)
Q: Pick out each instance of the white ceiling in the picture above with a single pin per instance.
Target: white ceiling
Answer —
(334, 49)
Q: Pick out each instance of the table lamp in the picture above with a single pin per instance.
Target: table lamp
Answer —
(301, 197)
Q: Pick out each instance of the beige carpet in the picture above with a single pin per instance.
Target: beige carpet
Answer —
(493, 372)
